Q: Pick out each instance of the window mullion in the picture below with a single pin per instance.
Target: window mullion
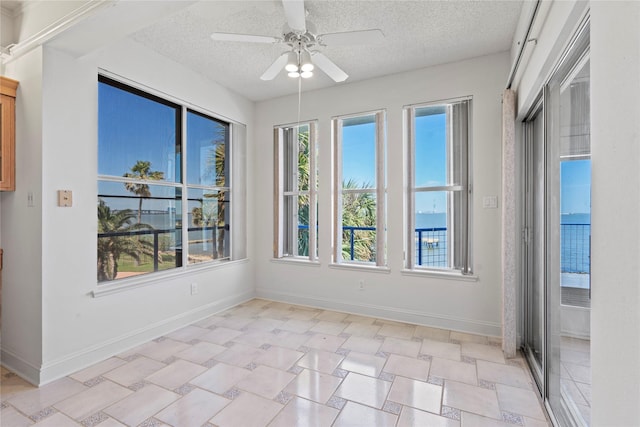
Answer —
(410, 116)
(337, 191)
(184, 189)
(312, 194)
(380, 188)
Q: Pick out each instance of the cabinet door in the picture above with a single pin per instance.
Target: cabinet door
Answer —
(7, 142)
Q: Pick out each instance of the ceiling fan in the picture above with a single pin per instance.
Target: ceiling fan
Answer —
(300, 36)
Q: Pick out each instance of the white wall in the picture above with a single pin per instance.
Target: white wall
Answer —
(615, 130)
(22, 226)
(468, 306)
(78, 329)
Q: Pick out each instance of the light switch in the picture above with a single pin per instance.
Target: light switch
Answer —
(490, 202)
(64, 198)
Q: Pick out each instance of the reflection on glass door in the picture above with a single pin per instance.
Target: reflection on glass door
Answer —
(558, 238)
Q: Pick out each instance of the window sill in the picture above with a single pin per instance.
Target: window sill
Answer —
(445, 274)
(296, 261)
(153, 278)
(361, 267)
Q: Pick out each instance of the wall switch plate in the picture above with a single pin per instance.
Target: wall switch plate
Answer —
(194, 288)
(65, 198)
(490, 202)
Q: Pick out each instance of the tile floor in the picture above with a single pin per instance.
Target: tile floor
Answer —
(266, 363)
(575, 374)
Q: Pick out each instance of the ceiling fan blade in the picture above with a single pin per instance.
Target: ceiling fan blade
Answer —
(275, 68)
(352, 37)
(330, 69)
(296, 15)
(230, 37)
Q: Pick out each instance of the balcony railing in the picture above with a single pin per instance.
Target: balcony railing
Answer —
(575, 248)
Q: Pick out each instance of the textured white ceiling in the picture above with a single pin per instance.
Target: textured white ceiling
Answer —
(417, 34)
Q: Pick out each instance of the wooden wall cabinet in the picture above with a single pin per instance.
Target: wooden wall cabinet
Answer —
(8, 89)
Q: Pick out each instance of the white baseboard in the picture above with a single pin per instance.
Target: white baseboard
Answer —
(58, 368)
(391, 313)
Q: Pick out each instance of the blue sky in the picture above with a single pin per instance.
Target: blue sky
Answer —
(575, 186)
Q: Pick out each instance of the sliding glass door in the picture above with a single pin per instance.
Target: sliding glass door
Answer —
(557, 238)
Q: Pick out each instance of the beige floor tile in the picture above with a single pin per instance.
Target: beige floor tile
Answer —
(134, 371)
(255, 338)
(142, 404)
(176, 374)
(532, 422)
(417, 394)
(301, 412)
(328, 327)
(266, 324)
(247, 410)
(331, 316)
(356, 318)
(401, 346)
(236, 323)
(220, 335)
(579, 373)
(201, 352)
(365, 364)
(452, 370)
(220, 378)
(239, 355)
(325, 342)
(194, 409)
(322, 361)
(290, 339)
(407, 367)
(482, 352)
(279, 357)
(57, 420)
(411, 417)
(98, 369)
(503, 374)
(266, 381)
(444, 350)
(473, 420)
(188, 333)
(464, 337)
(209, 321)
(365, 330)
(162, 350)
(362, 344)
(36, 399)
(314, 385)
(435, 334)
(279, 314)
(355, 415)
(110, 422)
(302, 313)
(12, 418)
(471, 399)
(90, 401)
(12, 384)
(362, 389)
(519, 401)
(299, 326)
(403, 332)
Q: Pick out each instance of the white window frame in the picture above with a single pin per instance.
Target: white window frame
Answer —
(459, 235)
(284, 235)
(379, 190)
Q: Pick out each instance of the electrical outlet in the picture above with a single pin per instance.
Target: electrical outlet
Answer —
(361, 285)
(194, 288)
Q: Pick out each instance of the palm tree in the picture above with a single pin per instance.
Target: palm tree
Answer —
(110, 248)
(358, 210)
(141, 171)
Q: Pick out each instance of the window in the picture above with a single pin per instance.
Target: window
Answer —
(159, 186)
(439, 186)
(359, 189)
(295, 191)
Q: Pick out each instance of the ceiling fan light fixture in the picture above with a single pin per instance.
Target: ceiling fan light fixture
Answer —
(294, 74)
(292, 63)
(305, 61)
(306, 74)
